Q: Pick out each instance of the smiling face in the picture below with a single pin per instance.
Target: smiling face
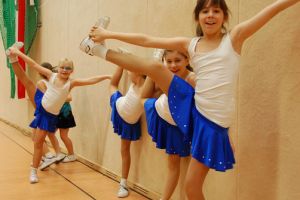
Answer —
(176, 62)
(210, 16)
(211, 19)
(65, 68)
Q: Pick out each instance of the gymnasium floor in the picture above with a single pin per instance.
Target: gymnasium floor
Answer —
(59, 182)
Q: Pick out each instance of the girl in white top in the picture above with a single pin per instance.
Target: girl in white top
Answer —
(161, 126)
(34, 92)
(57, 91)
(215, 58)
(125, 117)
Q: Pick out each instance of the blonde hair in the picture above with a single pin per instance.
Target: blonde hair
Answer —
(66, 62)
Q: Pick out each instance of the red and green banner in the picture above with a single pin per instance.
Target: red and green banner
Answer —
(21, 36)
(8, 34)
(27, 24)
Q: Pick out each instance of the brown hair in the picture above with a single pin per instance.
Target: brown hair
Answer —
(183, 54)
(201, 4)
(47, 66)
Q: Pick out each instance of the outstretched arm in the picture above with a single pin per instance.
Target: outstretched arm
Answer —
(247, 28)
(30, 62)
(89, 81)
(98, 34)
(115, 79)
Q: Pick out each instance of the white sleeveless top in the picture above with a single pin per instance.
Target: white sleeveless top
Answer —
(129, 106)
(162, 107)
(216, 80)
(55, 97)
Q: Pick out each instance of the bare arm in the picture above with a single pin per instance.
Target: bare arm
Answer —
(89, 81)
(192, 80)
(115, 79)
(148, 88)
(41, 86)
(176, 43)
(30, 62)
(246, 29)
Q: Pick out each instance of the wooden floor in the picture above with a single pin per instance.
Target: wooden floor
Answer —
(63, 181)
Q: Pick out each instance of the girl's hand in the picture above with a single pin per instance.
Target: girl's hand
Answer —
(13, 51)
(98, 34)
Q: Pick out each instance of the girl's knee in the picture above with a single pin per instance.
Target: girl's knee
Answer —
(38, 144)
(174, 162)
(63, 136)
(156, 66)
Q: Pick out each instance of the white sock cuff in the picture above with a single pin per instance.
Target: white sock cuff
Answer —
(13, 59)
(100, 51)
(123, 182)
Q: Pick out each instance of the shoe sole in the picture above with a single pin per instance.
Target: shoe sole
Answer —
(33, 182)
(68, 161)
(60, 160)
(46, 166)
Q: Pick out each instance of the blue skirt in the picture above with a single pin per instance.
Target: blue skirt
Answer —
(165, 135)
(43, 119)
(210, 142)
(37, 99)
(125, 130)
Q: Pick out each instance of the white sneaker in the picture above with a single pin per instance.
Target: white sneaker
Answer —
(158, 54)
(123, 192)
(87, 46)
(69, 158)
(59, 157)
(33, 176)
(49, 155)
(47, 163)
(103, 22)
(18, 45)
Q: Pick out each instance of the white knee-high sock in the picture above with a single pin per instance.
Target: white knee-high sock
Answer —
(99, 50)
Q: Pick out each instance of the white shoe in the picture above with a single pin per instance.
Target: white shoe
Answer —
(47, 163)
(18, 45)
(59, 157)
(158, 54)
(87, 45)
(69, 158)
(103, 22)
(49, 155)
(33, 176)
(123, 192)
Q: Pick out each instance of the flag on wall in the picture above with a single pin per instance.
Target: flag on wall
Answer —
(27, 24)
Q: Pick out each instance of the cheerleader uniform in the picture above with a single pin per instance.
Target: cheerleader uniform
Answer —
(48, 105)
(162, 128)
(204, 114)
(126, 113)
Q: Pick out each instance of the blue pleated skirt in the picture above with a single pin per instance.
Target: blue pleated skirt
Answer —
(122, 128)
(165, 135)
(43, 119)
(210, 142)
(37, 99)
